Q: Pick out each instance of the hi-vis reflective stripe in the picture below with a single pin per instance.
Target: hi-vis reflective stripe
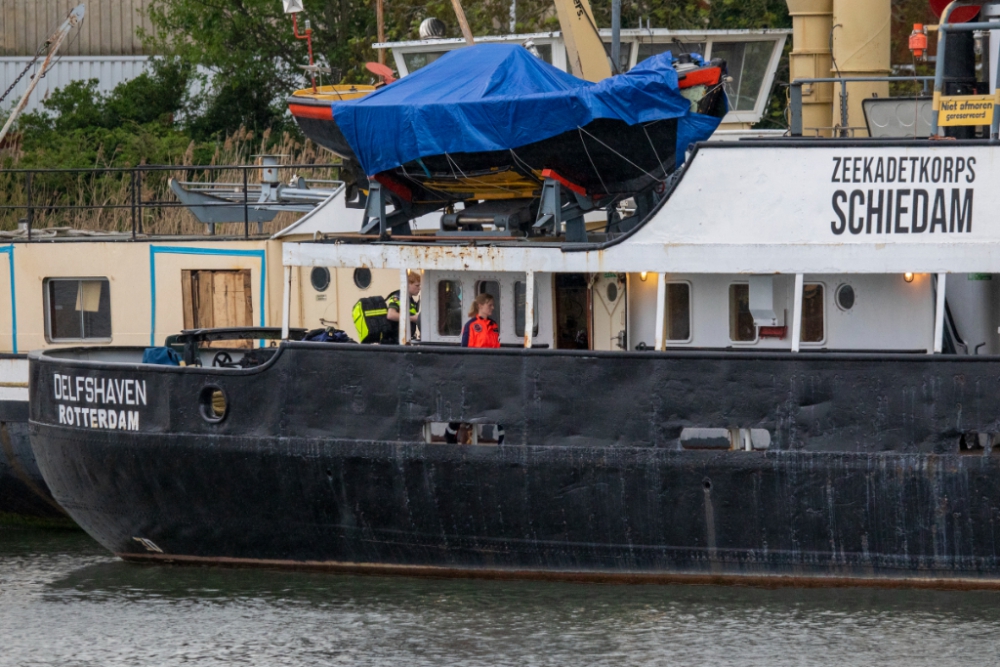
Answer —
(376, 312)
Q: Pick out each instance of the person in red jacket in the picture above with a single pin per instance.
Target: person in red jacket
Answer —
(481, 330)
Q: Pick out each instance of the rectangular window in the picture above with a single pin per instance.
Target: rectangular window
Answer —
(747, 66)
(519, 301)
(492, 288)
(678, 312)
(741, 326)
(462, 433)
(415, 61)
(624, 53)
(812, 313)
(449, 298)
(78, 309)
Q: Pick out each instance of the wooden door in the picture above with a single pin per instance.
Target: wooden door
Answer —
(218, 299)
(610, 317)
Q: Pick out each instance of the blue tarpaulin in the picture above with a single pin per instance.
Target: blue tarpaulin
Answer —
(492, 97)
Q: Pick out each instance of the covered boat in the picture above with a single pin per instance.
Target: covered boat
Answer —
(486, 122)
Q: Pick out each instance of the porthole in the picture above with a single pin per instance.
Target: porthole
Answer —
(320, 278)
(612, 292)
(363, 278)
(213, 404)
(845, 297)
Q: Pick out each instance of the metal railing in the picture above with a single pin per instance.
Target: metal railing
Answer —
(56, 194)
(795, 95)
(944, 28)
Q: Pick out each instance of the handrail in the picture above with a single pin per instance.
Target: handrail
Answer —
(795, 104)
(134, 185)
(943, 29)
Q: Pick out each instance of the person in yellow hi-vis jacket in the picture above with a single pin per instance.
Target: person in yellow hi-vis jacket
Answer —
(393, 306)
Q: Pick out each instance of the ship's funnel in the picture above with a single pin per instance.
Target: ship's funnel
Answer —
(810, 59)
(861, 45)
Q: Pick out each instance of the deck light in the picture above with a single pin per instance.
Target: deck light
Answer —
(908, 277)
(643, 276)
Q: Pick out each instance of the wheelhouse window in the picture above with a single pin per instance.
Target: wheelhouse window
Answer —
(419, 59)
(747, 64)
(77, 309)
(449, 298)
(741, 326)
(491, 287)
(678, 312)
(812, 313)
(624, 54)
(520, 297)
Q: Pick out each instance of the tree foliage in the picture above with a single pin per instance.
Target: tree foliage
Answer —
(247, 61)
(253, 60)
(134, 123)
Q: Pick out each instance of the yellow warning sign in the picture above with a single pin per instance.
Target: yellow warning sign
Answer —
(966, 110)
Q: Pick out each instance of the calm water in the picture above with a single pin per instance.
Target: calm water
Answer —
(63, 601)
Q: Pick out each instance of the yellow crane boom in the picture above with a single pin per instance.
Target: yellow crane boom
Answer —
(584, 47)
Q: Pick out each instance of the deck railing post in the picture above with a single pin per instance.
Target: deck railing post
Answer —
(286, 307)
(939, 313)
(138, 199)
(246, 209)
(404, 308)
(131, 200)
(797, 312)
(31, 210)
(529, 307)
(845, 125)
(795, 106)
(660, 339)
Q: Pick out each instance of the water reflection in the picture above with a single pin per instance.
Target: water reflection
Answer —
(64, 601)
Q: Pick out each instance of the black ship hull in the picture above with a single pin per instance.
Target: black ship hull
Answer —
(876, 471)
(24, 496)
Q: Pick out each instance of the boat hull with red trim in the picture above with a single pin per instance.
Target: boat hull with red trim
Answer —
(605, 157)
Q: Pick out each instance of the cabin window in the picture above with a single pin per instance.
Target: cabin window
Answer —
(845, 297)
(449, 299)
(320, 278)
(741, 326)
(520, 296)
(678, 312)
(491, 287)
(746, 63)
(624, 55)
(78, 309)
(415, 61)
(362, 278)
(463, 433)
(812, 313)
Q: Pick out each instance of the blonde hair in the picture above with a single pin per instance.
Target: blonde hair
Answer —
(412, 277)
(480, 300)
